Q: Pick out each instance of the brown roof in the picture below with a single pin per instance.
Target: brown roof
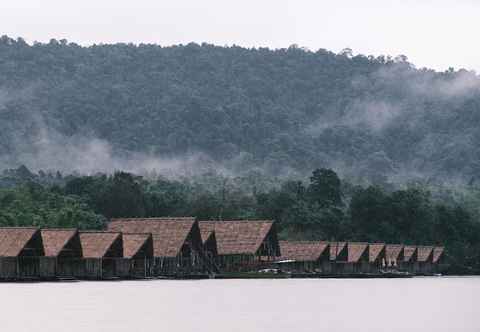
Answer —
(169, 234)
(376, 251)
(238, 236)
(205, 233)
(425, 254)
(336, 249)
(393, 252)
(307, 251)
(13, 240)
(409, 253)
(54, 240)
(356, 251)
(133, 243)
(97, 244)
(438, 253)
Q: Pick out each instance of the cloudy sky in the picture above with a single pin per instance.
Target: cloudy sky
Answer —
(432, 33)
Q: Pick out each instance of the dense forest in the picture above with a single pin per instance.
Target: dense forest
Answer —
(134, 107)
(322, 207)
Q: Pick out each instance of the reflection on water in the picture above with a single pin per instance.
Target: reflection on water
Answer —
(334, 305)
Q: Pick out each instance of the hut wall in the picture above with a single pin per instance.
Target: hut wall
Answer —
(342, 268)
(326, 267)
(375, 267)
(47, 267)
(92, 268)
(28, 267)
(415, 267)
(70, 267)
(8, 268)
(141, 268)
(364, 267)
(109, 268)
(164, 266)
(122, 267)
(409, 267)
(239, 263)
(426, 267)
(349, 268)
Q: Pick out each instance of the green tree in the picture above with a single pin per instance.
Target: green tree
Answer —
(325, 188)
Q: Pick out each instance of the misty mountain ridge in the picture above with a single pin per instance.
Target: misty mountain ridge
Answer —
(189, 108)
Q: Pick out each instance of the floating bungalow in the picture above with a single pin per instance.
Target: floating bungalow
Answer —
(20, 252)
(103, 255)
(377, 257)
(139, 249)
(394, 256)
(177, 243)
(63, 252)
(305, 256)
(410, 254)
(357, 258)
(244, 245)
(424, 263)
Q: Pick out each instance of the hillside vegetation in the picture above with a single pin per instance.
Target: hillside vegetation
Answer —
(63, 106)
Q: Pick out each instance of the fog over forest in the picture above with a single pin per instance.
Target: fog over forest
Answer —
(185, 109)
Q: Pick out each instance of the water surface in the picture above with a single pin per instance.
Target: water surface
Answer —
(334, 305)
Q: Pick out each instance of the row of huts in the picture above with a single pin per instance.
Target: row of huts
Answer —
(151, 247)
(359, 258)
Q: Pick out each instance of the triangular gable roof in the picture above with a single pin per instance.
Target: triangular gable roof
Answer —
(169, 234)
(394, 252)
(376, 252)
(425, 254)
(337, 249)
(410, 253)
(438, 253)
(55, 240)
(206, 233)
(97, 244)
(134, 243)
(357, 251)
(239, 236)
(14, 240)
(305, 251)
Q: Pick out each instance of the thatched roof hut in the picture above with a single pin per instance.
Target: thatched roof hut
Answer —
(377, 252)
(101, 244)
(425, 254)
(170, 235)
(20, 251)
(244, 237)
(20, 241)
(438, 254)
(410, 254)
(305, 251)
(137, 245)
(61, 242)
(394, 254)
(357, 252)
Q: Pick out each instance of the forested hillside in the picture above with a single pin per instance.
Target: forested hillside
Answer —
(104, 107)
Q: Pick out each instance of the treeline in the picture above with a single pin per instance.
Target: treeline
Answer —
(322, 207)
(282, 110)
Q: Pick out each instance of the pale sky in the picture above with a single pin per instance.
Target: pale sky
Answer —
(432, 33)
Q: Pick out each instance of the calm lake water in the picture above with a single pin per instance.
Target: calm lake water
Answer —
(334, 305)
